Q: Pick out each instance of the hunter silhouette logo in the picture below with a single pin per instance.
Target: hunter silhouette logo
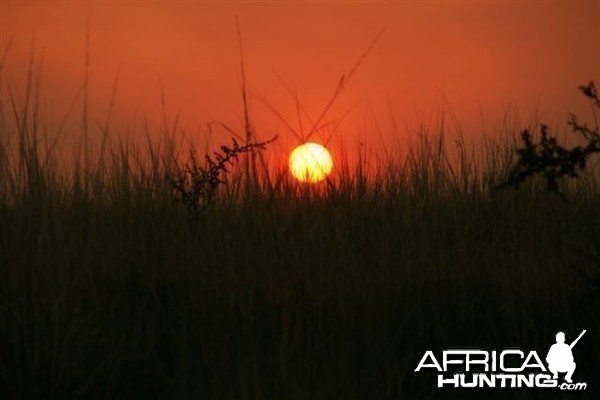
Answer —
(560, 357)
(507, 368)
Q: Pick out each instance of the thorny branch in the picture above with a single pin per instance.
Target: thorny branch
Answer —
(195, 183)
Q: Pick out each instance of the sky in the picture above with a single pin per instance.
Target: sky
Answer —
(473, 61)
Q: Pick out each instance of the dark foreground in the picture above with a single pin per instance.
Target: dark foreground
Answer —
(105, 292)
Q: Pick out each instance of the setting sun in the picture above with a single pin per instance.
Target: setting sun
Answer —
(310, 162)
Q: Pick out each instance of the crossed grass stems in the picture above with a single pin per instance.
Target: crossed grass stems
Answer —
(195, 184)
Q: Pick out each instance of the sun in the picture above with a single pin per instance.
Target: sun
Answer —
(310, 163)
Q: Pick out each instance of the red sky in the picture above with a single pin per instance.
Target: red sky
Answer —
(483, 57)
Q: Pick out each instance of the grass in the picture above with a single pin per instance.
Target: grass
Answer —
(283, 291)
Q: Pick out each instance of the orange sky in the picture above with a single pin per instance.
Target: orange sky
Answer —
(483, 56)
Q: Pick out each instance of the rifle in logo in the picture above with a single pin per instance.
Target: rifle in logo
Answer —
(577, 340)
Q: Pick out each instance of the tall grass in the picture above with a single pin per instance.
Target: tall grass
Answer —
(286, 291)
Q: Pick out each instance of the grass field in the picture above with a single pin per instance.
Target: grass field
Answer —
(282, 291)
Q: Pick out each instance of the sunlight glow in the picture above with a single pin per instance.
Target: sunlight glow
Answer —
(310, 163)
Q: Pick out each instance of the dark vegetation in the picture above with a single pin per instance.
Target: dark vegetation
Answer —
(551, 160)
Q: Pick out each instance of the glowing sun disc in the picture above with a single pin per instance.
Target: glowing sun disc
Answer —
(310, 162)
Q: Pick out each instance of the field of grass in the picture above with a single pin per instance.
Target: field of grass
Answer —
(281, 291)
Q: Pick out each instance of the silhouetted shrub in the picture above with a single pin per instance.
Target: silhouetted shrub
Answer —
(549, 159)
